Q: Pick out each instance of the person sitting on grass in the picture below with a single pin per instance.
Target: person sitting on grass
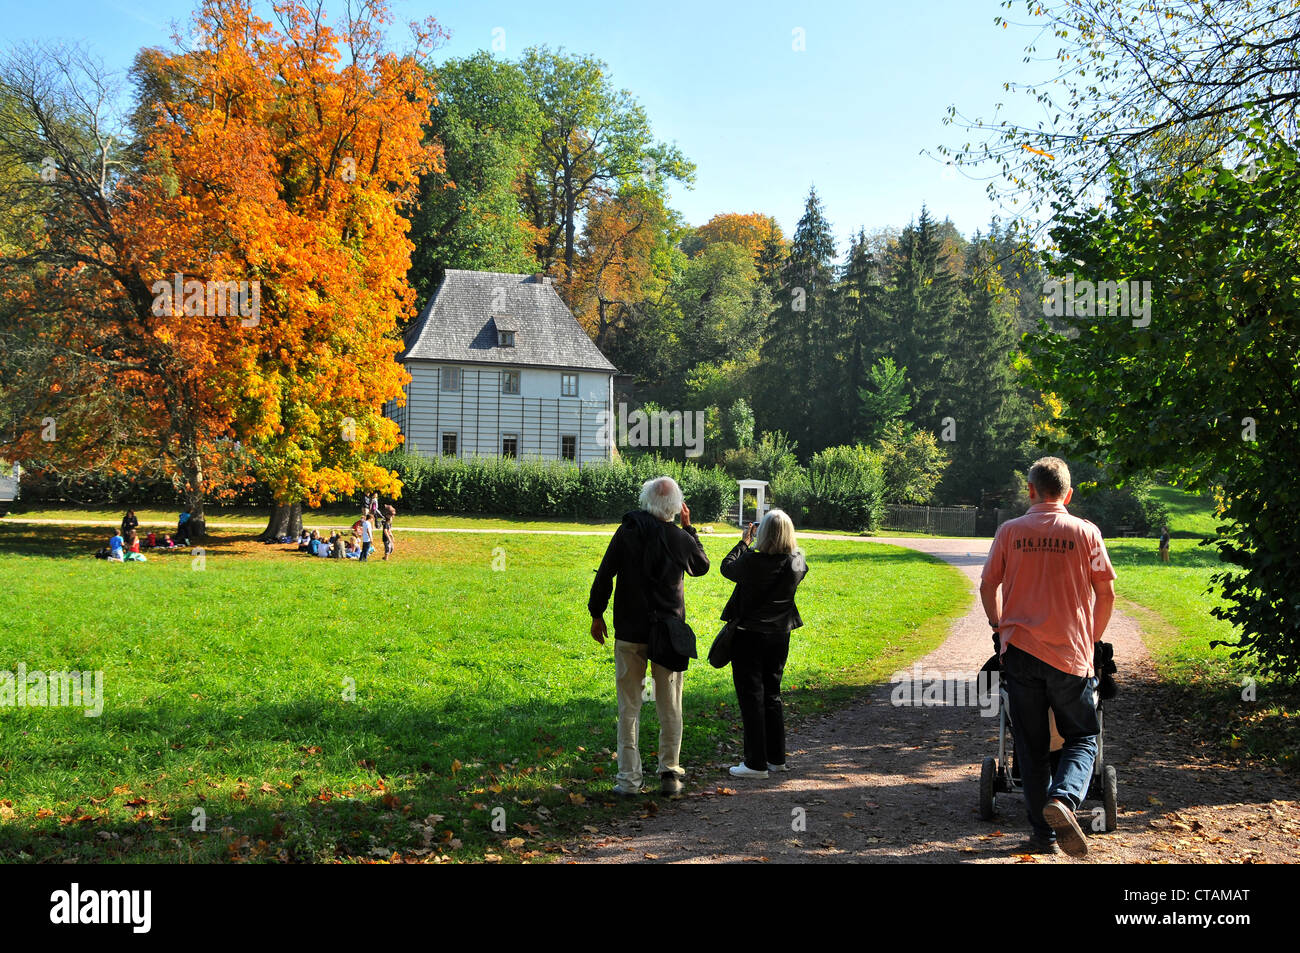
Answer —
(115, 547)
(151, 540)
(132, 541)
(1058, 591)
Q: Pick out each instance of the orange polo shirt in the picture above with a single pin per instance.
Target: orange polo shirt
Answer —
(1046, 562)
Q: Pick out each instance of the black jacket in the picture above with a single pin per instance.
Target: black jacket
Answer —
(763, 600)
(649, 556)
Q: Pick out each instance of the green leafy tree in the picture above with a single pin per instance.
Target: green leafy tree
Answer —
(913, 463)
(469, 214)
(593, 138)
(884, 399)
(1205, 382)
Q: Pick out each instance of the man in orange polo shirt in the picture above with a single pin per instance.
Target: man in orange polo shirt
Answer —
(1057, 595)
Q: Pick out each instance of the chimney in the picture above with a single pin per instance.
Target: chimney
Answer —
(538, 277)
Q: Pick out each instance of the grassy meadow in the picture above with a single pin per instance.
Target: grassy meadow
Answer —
(315, 710)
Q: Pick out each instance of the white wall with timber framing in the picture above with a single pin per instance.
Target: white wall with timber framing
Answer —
(481, 415)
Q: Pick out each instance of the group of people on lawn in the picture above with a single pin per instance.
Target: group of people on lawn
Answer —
(125, 545)
(361, 543)
(1047, 588)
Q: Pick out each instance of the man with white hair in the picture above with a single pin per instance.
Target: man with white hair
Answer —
(650, 555)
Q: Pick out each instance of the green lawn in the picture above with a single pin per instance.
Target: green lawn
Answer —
(475, 689)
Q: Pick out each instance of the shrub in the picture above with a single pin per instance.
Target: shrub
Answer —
(847, 488)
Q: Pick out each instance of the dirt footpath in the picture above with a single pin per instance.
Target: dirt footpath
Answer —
(878, 783)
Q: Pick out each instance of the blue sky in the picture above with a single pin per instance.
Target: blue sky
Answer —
(762, 121)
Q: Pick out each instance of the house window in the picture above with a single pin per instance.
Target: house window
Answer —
(510, 382)
(569, 447)
(449, 443)
(451, 378)
(568, 385)
(506, 338)
(510, 445)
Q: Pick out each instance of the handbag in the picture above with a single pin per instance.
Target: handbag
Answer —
(672, 644)
(720, 650)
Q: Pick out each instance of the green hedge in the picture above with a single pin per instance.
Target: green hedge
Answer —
(539, 488)
(842, 488)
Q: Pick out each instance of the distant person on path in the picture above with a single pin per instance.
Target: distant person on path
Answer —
(129, 522)
(649, 555)
(762, 606)
(1164, 544)
(1057, 595)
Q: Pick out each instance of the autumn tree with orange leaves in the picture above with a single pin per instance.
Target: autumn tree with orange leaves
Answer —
(252, 267)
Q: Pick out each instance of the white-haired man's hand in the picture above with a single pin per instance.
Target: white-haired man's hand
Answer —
(686, 515)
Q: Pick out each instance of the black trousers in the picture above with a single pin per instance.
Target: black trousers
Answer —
(757, 664)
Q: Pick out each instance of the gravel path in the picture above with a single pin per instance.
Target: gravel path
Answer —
(877, 783)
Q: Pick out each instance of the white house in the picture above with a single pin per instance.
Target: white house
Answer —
(500, 367)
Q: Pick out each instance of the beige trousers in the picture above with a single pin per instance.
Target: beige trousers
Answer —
(630, 660)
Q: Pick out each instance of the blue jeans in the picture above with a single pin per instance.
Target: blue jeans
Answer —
(1033, 686)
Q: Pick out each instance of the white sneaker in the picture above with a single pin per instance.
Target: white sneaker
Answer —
(777, 767)
(743, 771)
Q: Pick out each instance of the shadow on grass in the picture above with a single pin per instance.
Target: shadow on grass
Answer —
(84, 541)
(323, 780)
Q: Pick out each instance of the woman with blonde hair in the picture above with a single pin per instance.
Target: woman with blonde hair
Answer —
(763, 610)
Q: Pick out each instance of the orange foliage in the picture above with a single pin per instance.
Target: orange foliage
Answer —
(750, 231)
(282, 159)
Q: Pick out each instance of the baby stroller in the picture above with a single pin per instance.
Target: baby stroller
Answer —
(1001, 774)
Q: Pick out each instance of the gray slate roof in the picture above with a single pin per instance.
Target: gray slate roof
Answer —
(458, 325)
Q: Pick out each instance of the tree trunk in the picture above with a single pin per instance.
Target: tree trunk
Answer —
(191, 466)
(197, 526)
(286, 520)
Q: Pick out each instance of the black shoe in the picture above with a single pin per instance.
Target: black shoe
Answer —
(1068, 832)
(670, 784)
(1039, 845)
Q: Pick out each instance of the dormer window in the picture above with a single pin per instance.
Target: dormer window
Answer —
(506, 327)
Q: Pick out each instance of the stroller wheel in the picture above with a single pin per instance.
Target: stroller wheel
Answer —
(988, 775)
(1110, 798)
